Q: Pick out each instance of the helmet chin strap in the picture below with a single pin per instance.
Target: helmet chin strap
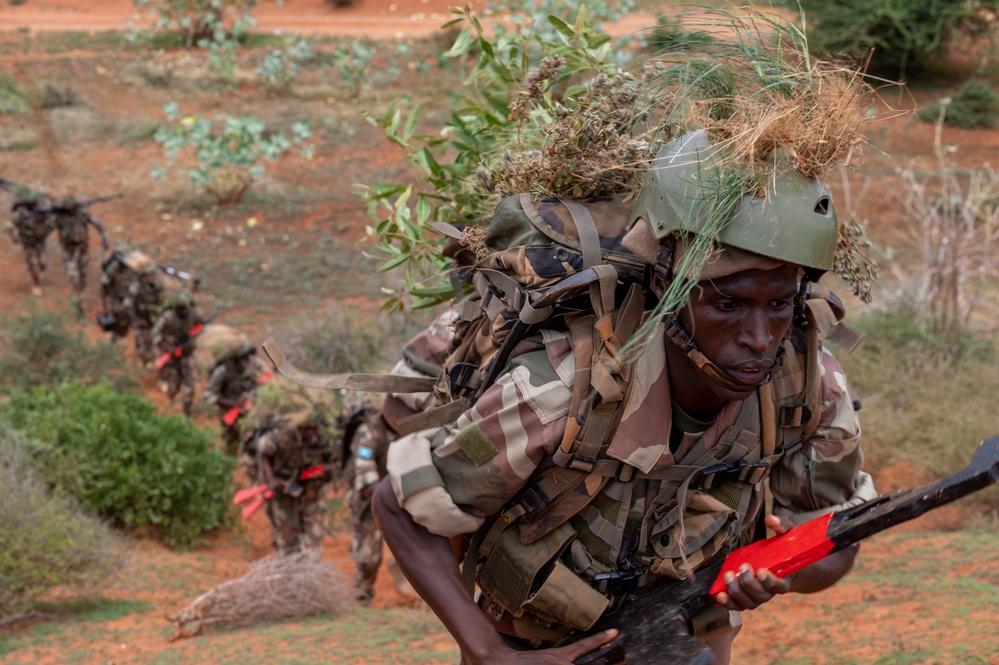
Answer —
(682, 339)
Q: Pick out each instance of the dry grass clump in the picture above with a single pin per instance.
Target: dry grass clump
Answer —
(277, 587)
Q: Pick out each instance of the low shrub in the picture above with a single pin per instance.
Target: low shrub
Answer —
(46, 540)
(121, 459)
(42, 347)
(975, 104)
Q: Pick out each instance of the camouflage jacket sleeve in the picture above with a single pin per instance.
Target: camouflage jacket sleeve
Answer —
(826, 473)
(450, 479)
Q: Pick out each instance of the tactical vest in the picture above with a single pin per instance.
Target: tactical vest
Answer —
(72, 228)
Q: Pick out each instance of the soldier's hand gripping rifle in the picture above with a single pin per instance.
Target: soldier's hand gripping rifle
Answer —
(178, 351)
(657, 627)
(261, 493)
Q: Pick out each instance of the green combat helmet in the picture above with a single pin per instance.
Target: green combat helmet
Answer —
(793, 221)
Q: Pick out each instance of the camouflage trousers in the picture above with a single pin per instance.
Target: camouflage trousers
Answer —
(297, 523)
(177, 376)
(75, 258)
(143, 332)
(365, 546)
(121, 321)
(232, 437)
(34, 256)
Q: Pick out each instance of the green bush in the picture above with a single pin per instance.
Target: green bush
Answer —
(908, 38)
(46, 540)
(975, 104)
(111, 450)
(41, 347)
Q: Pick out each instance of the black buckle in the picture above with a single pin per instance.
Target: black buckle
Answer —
(460, 374)
(788, 412)
(533, 501)
(725, 472)
(617, 581)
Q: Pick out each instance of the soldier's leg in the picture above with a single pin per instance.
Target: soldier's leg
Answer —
(82, 261)
(32, 256)
(284, 515)
(366, 550)
(144, 341)
(185, 365)
(313, 519)
(169, 379)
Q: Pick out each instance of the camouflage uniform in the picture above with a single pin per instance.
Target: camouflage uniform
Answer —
(142, 303)
(369, 439)
(453, 479)
(72, 224)
(297, 522)
(30, 230)
(231, 383)
(115, 279)
(171, 332)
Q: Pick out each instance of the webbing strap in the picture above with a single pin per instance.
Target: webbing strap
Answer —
(589, 239)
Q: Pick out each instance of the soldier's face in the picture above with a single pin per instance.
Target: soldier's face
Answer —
(738, 322)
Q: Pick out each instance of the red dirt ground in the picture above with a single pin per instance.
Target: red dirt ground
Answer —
(390, 19)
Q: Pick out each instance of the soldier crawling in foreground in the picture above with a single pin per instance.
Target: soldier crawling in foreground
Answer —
(30, 228)
(73, 221)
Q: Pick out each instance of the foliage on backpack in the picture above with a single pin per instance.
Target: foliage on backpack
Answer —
(975, 104)
(572, 117)
(118, 457)
(231, 159)
(907, 38)
(46, 540)
(42, 348)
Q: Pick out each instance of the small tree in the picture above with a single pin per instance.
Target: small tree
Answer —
(199, 20)
(283, 64)
(353, 62)
(230, 160)
(975, 104)
(906, 37)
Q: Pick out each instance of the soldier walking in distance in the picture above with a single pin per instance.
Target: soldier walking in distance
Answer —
(73, 223)
(30, 228)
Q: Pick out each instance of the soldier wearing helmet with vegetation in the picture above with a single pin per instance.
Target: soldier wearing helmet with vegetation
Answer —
(290, 436)
(73, 223)
(726, 419)
(29, 228)
(172, 337)
(233, 380)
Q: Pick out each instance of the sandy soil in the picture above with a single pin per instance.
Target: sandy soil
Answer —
(229, 553)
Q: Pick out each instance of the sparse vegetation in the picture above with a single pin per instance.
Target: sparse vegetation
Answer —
(199, 20)
(46, 540)
(41, 347)
(114, 453)
(281, 66)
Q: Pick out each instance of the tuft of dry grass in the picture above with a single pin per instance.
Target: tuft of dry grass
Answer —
(279, 586)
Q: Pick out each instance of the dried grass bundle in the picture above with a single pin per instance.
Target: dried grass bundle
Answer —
(279, 586)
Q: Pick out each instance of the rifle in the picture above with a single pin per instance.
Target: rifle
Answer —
(178, 350)
(658, 627)
(261, 493)
(60, 209)
(230, 416)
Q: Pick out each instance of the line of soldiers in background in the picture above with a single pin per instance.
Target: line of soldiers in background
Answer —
(275, 443)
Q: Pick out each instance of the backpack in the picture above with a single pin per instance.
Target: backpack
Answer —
(563, 264)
